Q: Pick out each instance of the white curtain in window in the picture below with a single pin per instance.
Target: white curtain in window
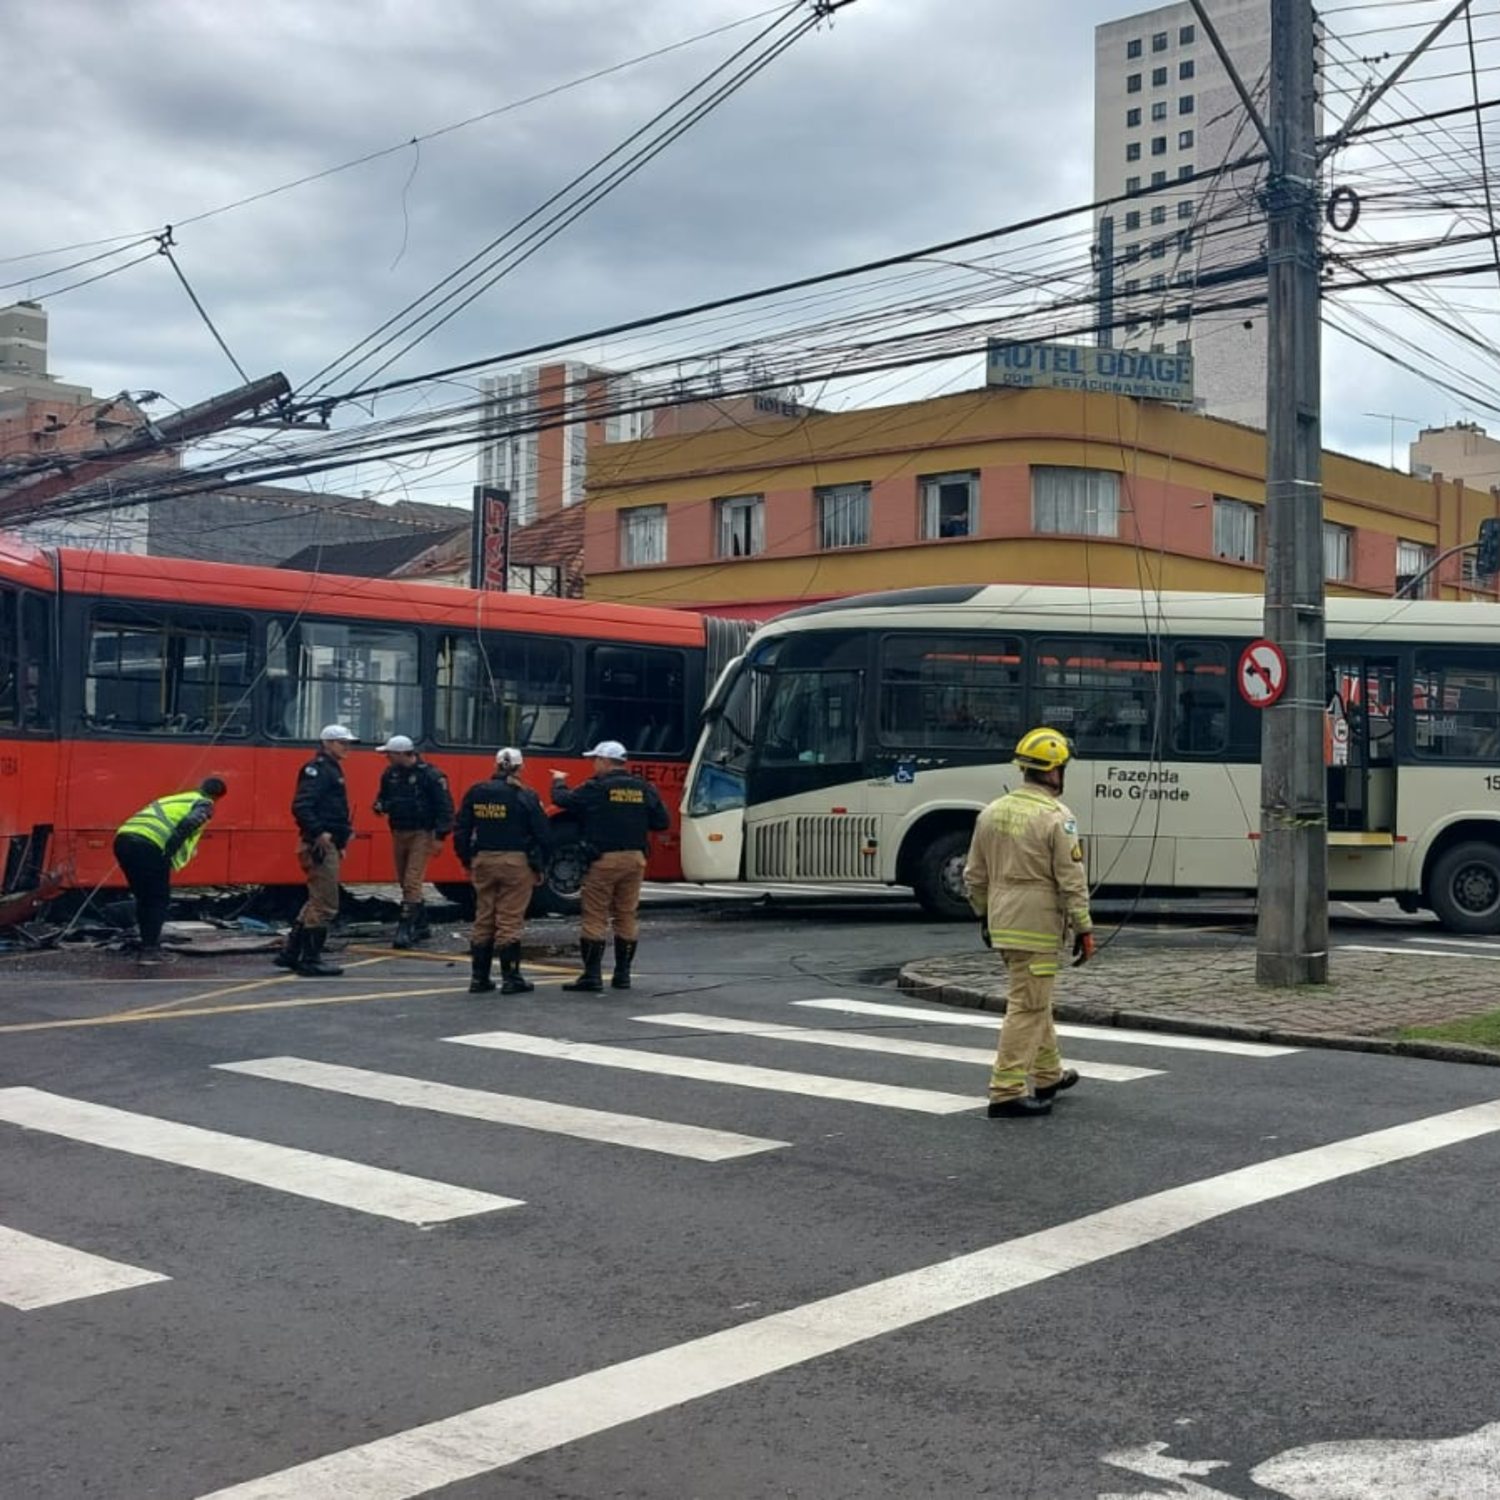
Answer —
(643, 535)
(1411, 559)
(1082, 501)
(742, 526)
(1236, 530)
(1338, 551)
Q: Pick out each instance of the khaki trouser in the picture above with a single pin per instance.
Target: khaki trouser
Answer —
(612, 891)
(503, 883)
(322, 904)
(413, 847)
(1028, 1039)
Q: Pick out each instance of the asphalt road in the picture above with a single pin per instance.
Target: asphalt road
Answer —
(826, 1276)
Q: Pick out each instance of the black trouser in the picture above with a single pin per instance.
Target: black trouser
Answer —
(149, 875)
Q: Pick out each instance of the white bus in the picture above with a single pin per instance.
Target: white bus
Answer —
(856, 740)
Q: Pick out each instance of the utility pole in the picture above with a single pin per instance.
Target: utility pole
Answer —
(1292, 932)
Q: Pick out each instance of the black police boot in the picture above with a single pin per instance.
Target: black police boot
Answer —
(513, 981)
(1050, 1091)
(403, 937)
(591, 980)
(1019, 1109)
(624, 952)
(290, 954)
(311, 965)
(481, 956)
(421, 928)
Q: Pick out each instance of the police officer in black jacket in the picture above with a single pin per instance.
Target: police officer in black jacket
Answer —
(502, 837)
(414, 799)
(324, 826)
(619, 812)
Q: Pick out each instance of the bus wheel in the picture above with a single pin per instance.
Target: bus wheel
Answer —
(1466, 888)
(459, 895)
(565, 872)
(938, 877)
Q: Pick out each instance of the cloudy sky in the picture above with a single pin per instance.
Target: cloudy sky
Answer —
(901, 123)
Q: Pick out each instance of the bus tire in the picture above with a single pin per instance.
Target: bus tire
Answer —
(459, 894)
(558, 893)
(938, 877)
(1465, 887)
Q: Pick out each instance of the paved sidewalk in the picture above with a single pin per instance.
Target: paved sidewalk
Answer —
(1212, 991)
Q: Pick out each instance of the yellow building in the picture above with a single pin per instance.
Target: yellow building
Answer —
(989, 486)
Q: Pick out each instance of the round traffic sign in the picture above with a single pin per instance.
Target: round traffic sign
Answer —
(1262, 673)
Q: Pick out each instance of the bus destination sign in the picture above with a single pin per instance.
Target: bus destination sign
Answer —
(1082, 367)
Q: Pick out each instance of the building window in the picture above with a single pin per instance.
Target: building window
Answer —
(1133, 84)
(1159, 145)
(1185, 69)
(1185, 209)
(1185, 174)
(643, 535)
(177, 673)
(1159, 213)
(1185, 105)
(1133, 285)
(1158, 179)
(742, 525)
(1132, 150)
(638, 695)
(1132, 184)
(1102, 692)
(1338, 552)
(1159, 42)
(843, 515)
(957, 692)
(365, 676)
(1133, 48)
(1132, 118)
(1132, 254)
(505, 689)
(1159, 110)
(1182, 315)
(1413, 558)
(1158, 282)
(1184, 140)
(1236, 530)
(1184, 346)
(1184, 241)
(1158, 78)
(1158, 348)
(1158, 249)
(950, 505)
(1186, 36)
(1083, 502)
(1133, 219)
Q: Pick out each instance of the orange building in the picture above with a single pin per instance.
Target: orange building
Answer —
(990, 486)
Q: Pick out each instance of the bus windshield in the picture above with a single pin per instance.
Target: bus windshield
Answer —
(728, 733)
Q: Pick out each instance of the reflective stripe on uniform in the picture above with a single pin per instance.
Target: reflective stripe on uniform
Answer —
(157, 822)
(1019, 937)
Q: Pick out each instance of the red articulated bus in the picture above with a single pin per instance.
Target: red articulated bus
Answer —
(123, 677)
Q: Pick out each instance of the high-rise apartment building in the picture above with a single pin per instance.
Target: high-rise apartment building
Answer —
(1164, 111)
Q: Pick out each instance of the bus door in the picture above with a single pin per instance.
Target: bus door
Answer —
(1359, 749)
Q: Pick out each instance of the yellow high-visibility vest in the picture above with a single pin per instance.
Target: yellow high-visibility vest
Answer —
(158, 821)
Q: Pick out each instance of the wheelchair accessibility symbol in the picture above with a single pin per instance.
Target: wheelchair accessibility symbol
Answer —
(905, 772)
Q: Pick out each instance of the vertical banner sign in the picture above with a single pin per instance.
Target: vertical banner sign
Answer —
(489, 547)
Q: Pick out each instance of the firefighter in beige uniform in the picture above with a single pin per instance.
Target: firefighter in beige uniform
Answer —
(1026, 881)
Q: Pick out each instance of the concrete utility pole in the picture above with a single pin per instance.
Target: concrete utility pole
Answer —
(1292, 933)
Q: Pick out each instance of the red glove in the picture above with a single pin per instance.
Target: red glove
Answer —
(1083, 948)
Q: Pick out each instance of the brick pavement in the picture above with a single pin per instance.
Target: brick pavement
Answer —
(1371, 996)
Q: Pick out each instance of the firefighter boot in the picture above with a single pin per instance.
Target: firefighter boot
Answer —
(290, 955)
(311, 964)
(591, 980)
(481, 956)
(512, 981)
(624, 952)
(421, 928)
(1050, 1091)
(404, 937)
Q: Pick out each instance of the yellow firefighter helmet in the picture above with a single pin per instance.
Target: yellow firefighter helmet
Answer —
(1043, 750)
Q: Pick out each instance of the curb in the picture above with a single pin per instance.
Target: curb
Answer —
(912, 981)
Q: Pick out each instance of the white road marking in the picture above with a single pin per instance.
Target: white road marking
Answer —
(671, 1139)
(1486, 943)
(40, 1273)
(1412, 952)
(370, 1190)
(1079, 1033)
(704, 1070)
(487, 1438)
(857, 1041)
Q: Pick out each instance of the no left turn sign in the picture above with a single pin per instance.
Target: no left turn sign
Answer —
(1262, 673)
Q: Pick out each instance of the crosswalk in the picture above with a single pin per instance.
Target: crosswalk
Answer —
(38, 1272)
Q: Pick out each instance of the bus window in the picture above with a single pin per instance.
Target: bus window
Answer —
(517, 690)
(1200, 697)
(1456, 705)
(637, 695)
(812, 719)
(10, 659)
(365, 676)
(1100, 692)
(953, 692)
(37, 678)
(172, 672)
